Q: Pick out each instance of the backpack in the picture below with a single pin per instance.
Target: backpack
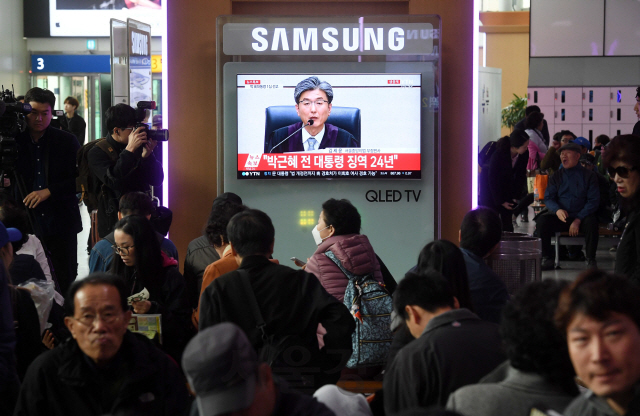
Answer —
(485, 154)
(87, 184)
(370, 305)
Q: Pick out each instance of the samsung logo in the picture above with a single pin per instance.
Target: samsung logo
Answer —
(330, 39)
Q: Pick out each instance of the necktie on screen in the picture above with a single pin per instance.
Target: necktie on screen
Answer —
(312, 143)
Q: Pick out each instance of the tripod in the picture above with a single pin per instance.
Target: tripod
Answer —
(20, 190)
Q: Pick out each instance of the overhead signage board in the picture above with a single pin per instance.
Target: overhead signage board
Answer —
(90, 18)
(329, 39)
(85, 64)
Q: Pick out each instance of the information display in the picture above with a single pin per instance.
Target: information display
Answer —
(91, 17)
(375, 117)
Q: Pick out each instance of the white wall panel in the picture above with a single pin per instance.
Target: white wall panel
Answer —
(567, 28)
(621, 36)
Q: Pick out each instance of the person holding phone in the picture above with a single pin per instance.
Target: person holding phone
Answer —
(143, 266)
(507, 176)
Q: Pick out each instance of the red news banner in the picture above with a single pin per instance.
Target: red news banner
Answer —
(328, 161)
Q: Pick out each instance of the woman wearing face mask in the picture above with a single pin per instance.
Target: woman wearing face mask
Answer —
(622, 160)
(338, 230)
(146, 269)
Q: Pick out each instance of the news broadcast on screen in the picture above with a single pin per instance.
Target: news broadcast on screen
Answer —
(370, 128)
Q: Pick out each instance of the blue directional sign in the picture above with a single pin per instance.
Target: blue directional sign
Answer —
(71, 63)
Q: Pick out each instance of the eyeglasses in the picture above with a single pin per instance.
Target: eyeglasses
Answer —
(122, 250)
(621, 171)
(318, 103)
(89, 319)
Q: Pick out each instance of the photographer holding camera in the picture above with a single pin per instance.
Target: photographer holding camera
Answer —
(123, 163)
(47, 163)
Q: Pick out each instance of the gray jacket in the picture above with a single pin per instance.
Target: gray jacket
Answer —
(588, 404)
(515, 395)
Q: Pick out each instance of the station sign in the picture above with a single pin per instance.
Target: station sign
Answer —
(83, 64)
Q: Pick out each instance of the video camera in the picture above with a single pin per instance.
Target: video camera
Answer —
(143, 112)
(12, 122)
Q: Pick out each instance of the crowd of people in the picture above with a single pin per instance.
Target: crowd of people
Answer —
(241, 334)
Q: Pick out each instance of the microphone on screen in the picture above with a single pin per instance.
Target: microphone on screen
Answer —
(309, 123)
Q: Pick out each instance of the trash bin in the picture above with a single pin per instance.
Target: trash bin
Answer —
(517, 260)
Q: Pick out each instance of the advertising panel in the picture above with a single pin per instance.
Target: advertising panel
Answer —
(88, 18)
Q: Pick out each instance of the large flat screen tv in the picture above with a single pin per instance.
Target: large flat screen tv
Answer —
(371, 129)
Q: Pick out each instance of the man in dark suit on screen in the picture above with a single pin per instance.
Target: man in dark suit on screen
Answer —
(313, 105)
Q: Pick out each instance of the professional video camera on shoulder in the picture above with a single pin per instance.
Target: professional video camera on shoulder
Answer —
(143, 113)
(12, 122)
(12, 114)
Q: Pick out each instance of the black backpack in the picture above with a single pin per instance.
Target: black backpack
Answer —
(87, 184)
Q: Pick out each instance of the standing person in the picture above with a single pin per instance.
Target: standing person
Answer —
(72, 121)
(47, 163)
(545, 128)
(155, 277)
(636, 108)
(508, 175)
(537, 146)
(623, 161)
(124, 162)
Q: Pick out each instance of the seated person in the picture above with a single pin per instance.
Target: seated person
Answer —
(599, 315)
(453, 347)
(313, 105)
(229, 379)
(605, 212)
(285, 310)
(103, 368)
(539, 370)
(217, 235)
(480, 234)
(132, 203)
(551, 161)
(572, 198)
(201, 253)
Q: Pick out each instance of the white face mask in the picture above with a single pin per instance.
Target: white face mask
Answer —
(316, 235)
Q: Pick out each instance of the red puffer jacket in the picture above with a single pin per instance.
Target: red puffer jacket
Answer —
(355, 253)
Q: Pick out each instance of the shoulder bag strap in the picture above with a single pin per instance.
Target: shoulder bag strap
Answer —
(338, 263)
(253, 303)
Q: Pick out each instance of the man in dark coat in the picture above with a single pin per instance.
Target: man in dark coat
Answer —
(313, 105)
(47, 163)
(453, 347)
(480, 234)
(291, 302)
(572, 198)
(72, 121)
(124, 163)
(104, 368)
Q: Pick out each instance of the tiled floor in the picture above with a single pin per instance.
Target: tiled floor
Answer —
(569, 270)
